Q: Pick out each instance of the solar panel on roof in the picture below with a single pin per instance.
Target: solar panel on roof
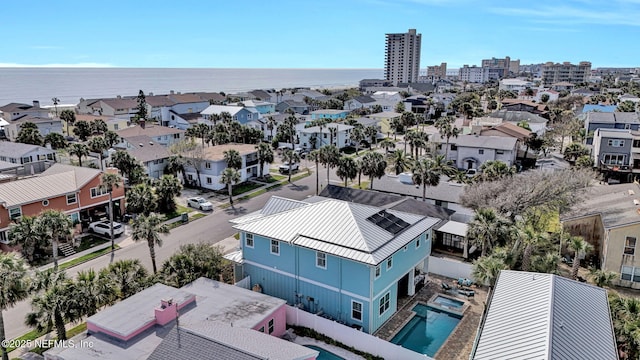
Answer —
(388, 222)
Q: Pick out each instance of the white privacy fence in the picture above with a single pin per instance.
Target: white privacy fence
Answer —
(450, 268)
(244, 283)
(351, 337)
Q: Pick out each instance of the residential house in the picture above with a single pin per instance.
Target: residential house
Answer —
(351, 263)
(331, 114)
(205, 319)
(550, 321)
(536, 123)
(15, 111)
(183, 121)
(471, 151)
(262, 95)
(297, 107)
(629, 97)
(524, 105)
(9, 171)
(239, 113)
(113, 123)
(359, 102)
(515, 85)
(584, 92)
(614, 120)
(162, 107)
(153, 156)
(563, 86)
(263, 107)
(322, 136)
(212, 164)
(33, 158)
(384, 118)
(367, 83)
(613, 150)
(160, 135)
(77, 191)
(120, 107)
(46, 125)
(241, 96)
(387, 95)
(599, 108)
(607, 217)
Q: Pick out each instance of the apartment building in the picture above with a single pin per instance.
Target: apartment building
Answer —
(565, 72)
(402, 57)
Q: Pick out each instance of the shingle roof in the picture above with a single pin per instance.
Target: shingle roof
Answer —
(121, 103)
(56, 181)
(517, 116)
(444, 191)
(216, 153)
(486, 142)
(148, 130)
(545, 316)
(148, 152)
(423, 208)
(366, 197)
(612, 117)
(614, 203)
(17, 150)
(339, 228)
(35, 120)
(13, 107)
(364, 99)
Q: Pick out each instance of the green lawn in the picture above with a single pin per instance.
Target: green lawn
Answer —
(197, 216)
(31, 335)
(178, 211)
(244, 187)
(70, 333)
(85, 258)
(90, 241)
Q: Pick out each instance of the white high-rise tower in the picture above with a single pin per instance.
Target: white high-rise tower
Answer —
(402, 58)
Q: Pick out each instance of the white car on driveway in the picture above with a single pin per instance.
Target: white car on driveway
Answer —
(199, 203)
(102, 228)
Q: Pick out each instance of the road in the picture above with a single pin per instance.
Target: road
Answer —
(209, 229)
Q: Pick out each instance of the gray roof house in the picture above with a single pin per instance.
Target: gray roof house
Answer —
(37, 157)
(471, 151)
(545, 316)
(613, 120)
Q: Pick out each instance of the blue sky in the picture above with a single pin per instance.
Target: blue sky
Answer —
(314, 34)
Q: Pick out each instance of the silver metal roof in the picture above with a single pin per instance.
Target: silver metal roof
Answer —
(274, 205)
(454, 227)
(545, 316)
(339, 228)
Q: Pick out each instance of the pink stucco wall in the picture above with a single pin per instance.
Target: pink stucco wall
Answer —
(279, 317)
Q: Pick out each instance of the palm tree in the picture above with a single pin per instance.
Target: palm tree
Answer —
(233, 159)
(575, 150)
(149, 228)
(14, 287)
(443, 166)
(79, 150)
(346, 169)
(29, 135)
(98, 126)
(69, 117)
(329, 156)
(580, 247)
(487, 268)
(141, 199)
(373, 165)
(175, 164)
(111, 138)
(426, 174)
(230, 177)
(290, 157)
(531, 240)
(271, 124)
(94, 290)
(602, 278)
(29, 234)
(56, 226)
(201, 130)
(315, 156)
(387, 144)
(371, 132)
(98, 145)
(359, 169)
(57, 141)
(495, 169)
(400, 161)
(55, 304)
(356, 135)
(167, 188)
(127, 277)
(265, 155)
(191, 262)
(447, 130)
(110, 181)
(486, 229)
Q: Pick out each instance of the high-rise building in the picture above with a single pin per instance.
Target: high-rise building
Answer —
(500, 68)
(402, 58)
(565, 72)
(436, 72)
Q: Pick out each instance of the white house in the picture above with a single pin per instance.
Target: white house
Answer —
(471, 151)
(239, 113)
(160, 135)
(516, 85)
(323, 136)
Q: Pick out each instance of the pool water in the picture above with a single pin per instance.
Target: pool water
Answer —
(427, 331)
(456, 304)
(324, 354)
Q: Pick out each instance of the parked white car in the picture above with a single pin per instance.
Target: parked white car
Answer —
(199, 203)
(284, 168)
(102, 228)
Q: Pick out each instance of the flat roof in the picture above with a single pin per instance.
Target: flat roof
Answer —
(216, 152)
(616, 204)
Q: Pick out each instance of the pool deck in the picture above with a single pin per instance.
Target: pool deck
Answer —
(460, 342)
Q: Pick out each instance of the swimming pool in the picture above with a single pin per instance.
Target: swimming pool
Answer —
(447, 304)
(427, 330)
(457, 304)
(324, 354)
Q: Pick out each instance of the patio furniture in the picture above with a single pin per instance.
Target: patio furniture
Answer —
(466, 291)
(445, 287)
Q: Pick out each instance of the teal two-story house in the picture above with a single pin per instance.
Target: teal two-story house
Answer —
(341, 260)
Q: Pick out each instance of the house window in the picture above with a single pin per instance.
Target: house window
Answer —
(26, 159)
(115, 126)
(615, 143)
(176, 136)
(15, 213)
(271, 326)
(99, 191)
(71, 199)
(454, 147)
(417, 243)
(261, 329)
(248, 240)
(614, 159)
(3, 237)
(209, 180)
(377, 271)
(451, 240)
(356, 310)
(630, 246)
(389, 263)
(630, 273)
(384, 303)
(207, 165)
(321, 260)
(499, 152)
(275, 247)
(190, 177)
(480, 151)
(45, 202)
(636, 143)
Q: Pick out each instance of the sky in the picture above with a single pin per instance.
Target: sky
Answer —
(314, 34)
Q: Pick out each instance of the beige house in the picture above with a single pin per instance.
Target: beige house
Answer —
(609, 219)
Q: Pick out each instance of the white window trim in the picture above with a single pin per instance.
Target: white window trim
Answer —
(45, 202)
(318, 253)
(271, 247)
(246, 240)
(271, 326)
(388, 293)
(75, 196)
(377, 271)
(98, 193)
(361, 310)
(389, 259)
(418, 243)
(634, 245)
(19, 209)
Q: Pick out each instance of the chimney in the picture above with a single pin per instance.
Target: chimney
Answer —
(142, 123)
(36, 103)
(119, 96)
(167, 312)
(171, 92)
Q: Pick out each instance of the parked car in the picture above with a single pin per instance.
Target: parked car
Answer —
(471, 172)
(102, 228)
(284, 168)
(199, 203)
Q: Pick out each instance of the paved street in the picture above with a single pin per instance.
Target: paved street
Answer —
(210, 229)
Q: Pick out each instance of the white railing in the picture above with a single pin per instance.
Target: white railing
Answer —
(450, 268)
(351, 337)
(244, 283)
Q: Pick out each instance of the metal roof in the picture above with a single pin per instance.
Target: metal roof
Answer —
(454, 227)
(339, 228)
(18, 150)
(545, 316)
(487, 142)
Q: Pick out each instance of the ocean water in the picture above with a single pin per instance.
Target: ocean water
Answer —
(24, 85)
